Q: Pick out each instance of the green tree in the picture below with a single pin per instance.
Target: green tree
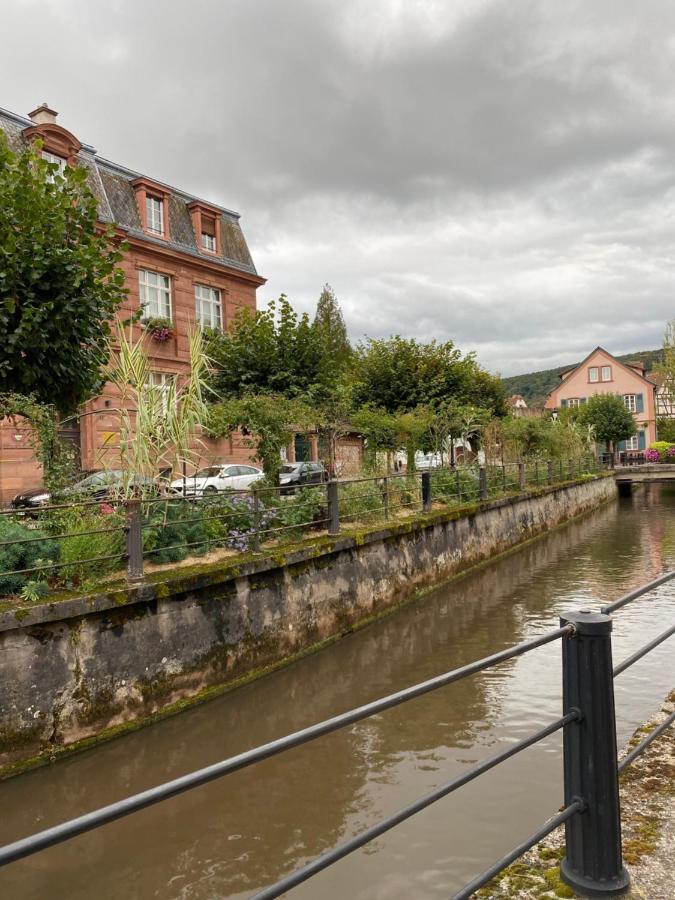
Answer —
(60, 284)
(381, 433)
(272, 350)
(267, 421)
(609, 418)
(399, 374)
(331, 333)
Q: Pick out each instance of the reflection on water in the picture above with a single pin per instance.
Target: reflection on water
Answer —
(234, 836)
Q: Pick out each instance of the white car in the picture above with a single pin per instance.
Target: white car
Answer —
(217, 478)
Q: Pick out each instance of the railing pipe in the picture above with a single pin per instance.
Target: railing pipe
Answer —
(643, 651)
(638, 592)
(593, 864)
(369, 834)
(636, 751)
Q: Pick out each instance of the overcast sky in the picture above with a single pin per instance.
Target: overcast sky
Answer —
(500, 174)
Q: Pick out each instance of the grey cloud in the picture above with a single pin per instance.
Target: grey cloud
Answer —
(496, 173)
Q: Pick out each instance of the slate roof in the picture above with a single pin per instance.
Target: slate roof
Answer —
(111, 185)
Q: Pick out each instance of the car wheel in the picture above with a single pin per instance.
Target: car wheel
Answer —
(210, 490)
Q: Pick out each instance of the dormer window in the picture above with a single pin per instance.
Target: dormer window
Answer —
(55, 160)
(208, 234)
(206, 224)
(153, 207)
(155, 214)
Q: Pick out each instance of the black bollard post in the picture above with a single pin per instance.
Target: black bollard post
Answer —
(333, 508)
(134, 540)
(426, 491)
(593, 865)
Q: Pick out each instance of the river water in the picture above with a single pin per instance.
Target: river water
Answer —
(232, 837)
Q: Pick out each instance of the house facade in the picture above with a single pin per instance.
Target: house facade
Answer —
(602, 373)
(187, 262)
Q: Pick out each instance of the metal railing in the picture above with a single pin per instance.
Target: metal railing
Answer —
(593, 861)
(170, 527)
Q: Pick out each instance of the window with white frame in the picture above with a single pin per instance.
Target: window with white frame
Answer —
(209, 242)
(633, 443)
(55, 160)
(606, 373)
(631, 402)
(161, 382)
(573, 402)
(154, 214)
(208, 310)
(593, 373)
(155, 293)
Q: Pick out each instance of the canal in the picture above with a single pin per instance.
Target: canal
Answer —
(234, 836)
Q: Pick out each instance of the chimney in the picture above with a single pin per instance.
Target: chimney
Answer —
(43, 115)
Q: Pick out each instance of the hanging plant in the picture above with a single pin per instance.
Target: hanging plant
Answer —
(159, 329)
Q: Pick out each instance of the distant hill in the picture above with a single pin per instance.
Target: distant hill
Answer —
(534, 386)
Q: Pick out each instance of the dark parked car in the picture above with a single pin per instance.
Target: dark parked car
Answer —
(95, 486)
(295, 475)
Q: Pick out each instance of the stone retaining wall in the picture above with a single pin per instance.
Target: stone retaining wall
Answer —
(81, 669)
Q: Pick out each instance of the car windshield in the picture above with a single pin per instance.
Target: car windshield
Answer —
(208, 472)
(96, 479)
(290, 468)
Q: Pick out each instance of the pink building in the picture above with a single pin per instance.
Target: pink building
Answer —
(602, 373)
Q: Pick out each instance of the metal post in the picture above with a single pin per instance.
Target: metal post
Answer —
(536, 472)
(503, 477)
(333, 508)
(593, 864)
(426, 491)
(560, 466)
(134, 540)
(459, 485)
(521, 476)
(385, 497)
(549, 472)
(256, 521)
(482, 481)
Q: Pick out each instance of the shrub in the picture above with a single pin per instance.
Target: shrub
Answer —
(297, 513)
(171, 523)
(229, 521)
(362, 501)
(662, 448)
(82, 546)
(41, 552)
(652, 455)
(444, 484)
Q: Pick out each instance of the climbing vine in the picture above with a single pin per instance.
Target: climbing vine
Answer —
(55, 457)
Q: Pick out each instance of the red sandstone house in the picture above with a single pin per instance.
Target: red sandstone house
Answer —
(187, 261)
(602, 373)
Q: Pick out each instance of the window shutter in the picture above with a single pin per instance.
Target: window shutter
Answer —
(639, 403)
(563, 403)
(582, 400)
(208, 226)
(642, 443)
